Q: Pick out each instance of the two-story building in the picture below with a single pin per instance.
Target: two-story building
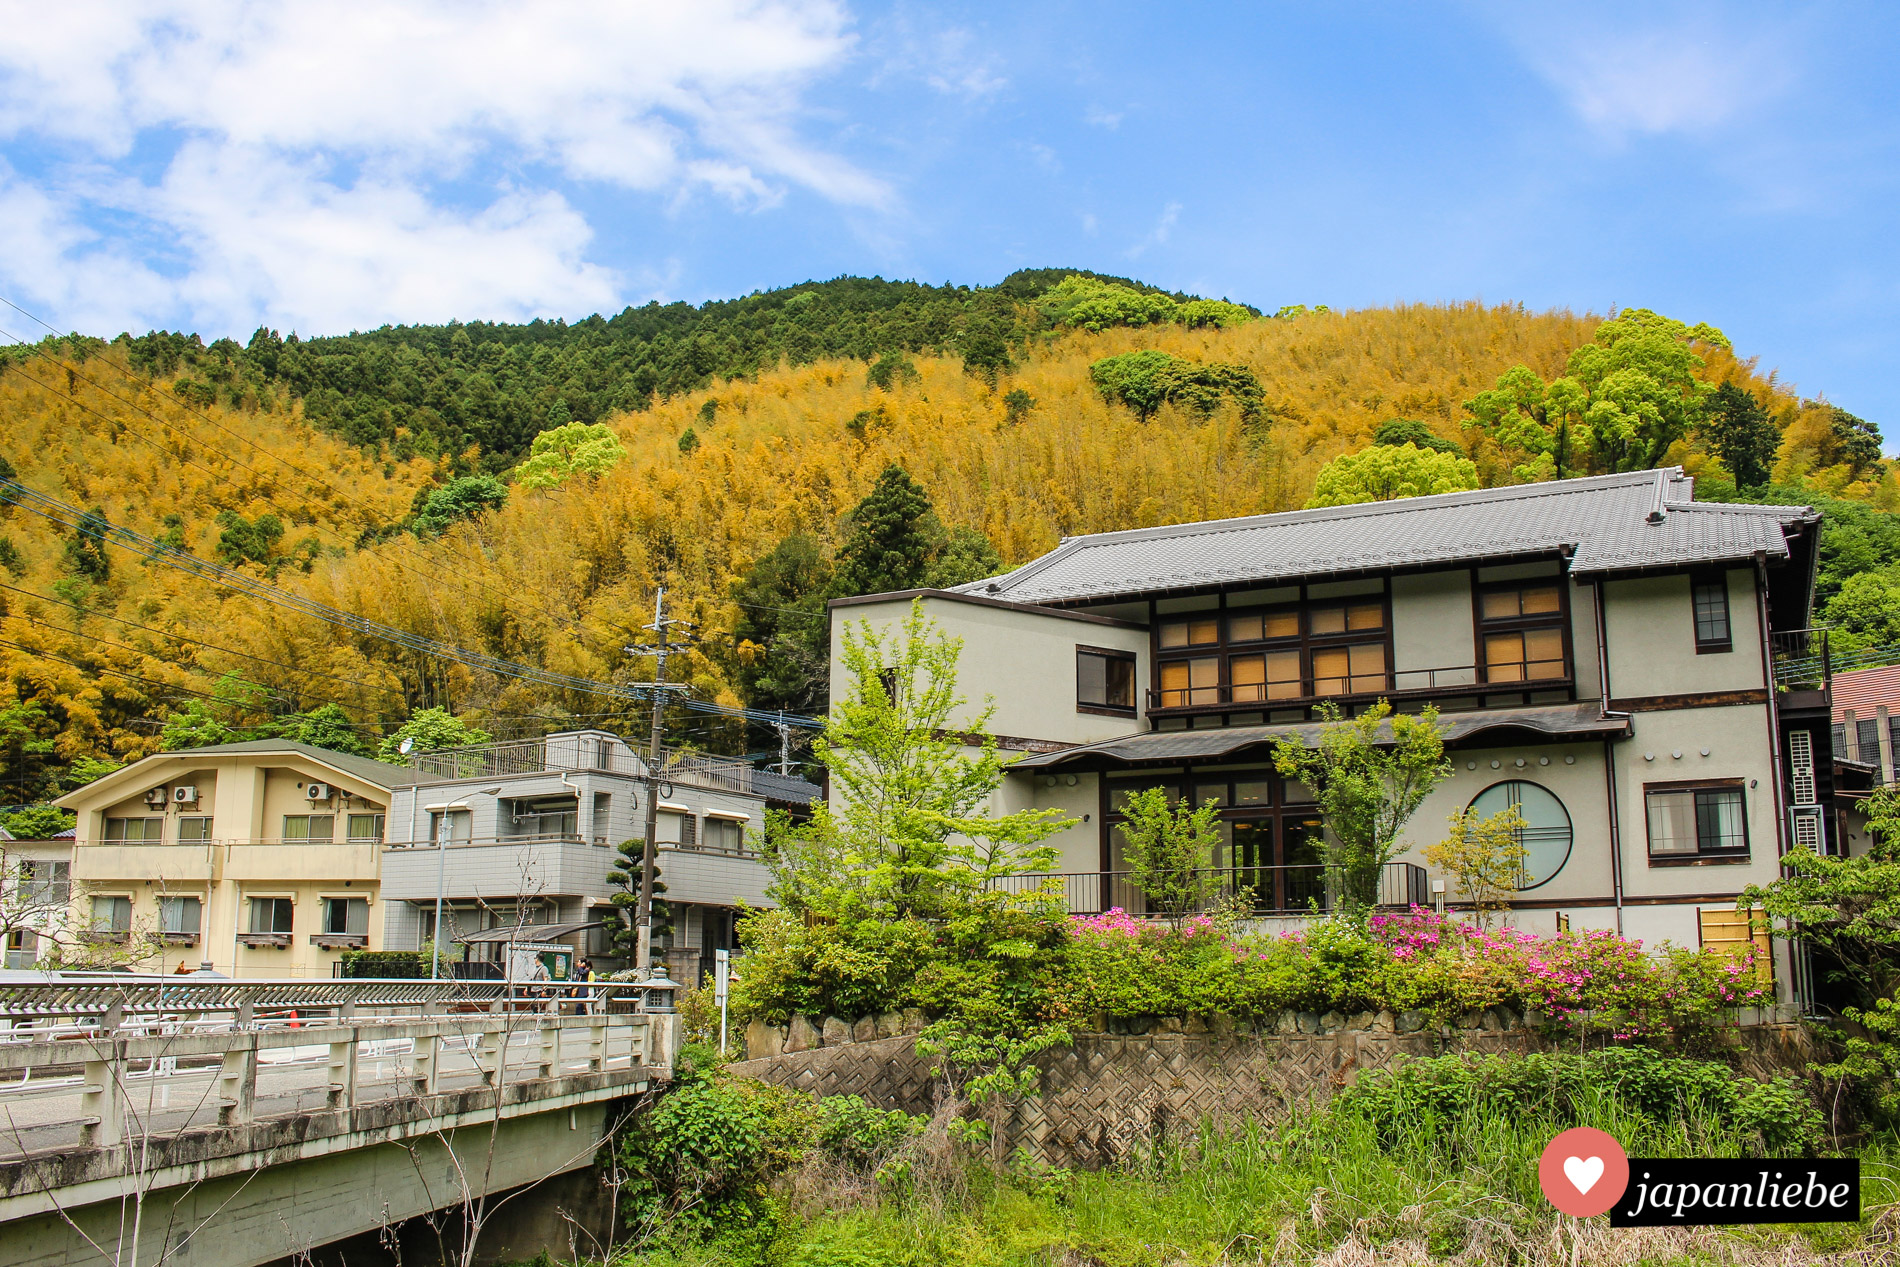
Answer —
(1599, 650)
(35, 896)
(514, 842)
(258, 858)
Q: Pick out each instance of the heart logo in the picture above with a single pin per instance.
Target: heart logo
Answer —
(1583, 1172)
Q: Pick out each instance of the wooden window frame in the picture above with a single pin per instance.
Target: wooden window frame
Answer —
(1701, 857)
(1134, 681)
(1717, 579)
(1482, 625)
(1225, 647)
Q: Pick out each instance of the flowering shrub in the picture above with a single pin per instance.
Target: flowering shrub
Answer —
(1121, 966)
(1017, 968)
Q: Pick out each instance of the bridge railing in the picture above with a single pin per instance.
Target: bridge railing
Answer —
(34, 1010)
(237, 1052)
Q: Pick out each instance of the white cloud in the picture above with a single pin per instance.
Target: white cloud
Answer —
(1157, 236)
(1623, 77)
(340, 164)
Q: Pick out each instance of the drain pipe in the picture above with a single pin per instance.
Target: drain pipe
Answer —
(1609, 755)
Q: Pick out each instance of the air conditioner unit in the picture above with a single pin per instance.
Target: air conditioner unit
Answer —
(155, 796)
(186, 795)
(317, 791)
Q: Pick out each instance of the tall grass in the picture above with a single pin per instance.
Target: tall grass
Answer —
(1325, 1188)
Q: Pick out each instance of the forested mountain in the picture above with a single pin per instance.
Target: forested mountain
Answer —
(521, 490)
(479, 392)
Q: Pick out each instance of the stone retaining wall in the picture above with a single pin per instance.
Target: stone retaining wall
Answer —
(1107, 1093)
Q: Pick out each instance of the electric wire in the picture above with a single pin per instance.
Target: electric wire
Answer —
(71, 517)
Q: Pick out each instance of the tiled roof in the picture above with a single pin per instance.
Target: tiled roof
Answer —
(1557, 721)
(380, 773)
(1864, 690)
(1644, 519)
(783, 787)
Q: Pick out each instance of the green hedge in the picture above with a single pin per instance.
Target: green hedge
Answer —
(385, 963)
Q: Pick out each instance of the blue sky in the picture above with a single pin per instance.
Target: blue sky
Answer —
(190, 163)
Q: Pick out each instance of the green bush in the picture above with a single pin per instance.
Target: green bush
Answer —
(385, 963)
(1772, 1118)
(859, 1134)
(700, 1163)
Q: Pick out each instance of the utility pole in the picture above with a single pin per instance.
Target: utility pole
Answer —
(643, 914)
(784, 744)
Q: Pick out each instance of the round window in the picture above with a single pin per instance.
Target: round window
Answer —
(1546, 836)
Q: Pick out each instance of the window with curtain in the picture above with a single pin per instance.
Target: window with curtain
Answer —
(142, 830)
(1694, 822)
(111, 914)
(180, 916)
(346, 916)
(191, 830)
(1522, 632)
(302, 828)
(366, 828)
(272, 914)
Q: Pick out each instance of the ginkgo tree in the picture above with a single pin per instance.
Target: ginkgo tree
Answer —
(1623, 399)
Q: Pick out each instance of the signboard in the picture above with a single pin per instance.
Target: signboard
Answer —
(540, 961)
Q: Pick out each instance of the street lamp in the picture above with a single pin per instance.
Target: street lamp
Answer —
(441, 867)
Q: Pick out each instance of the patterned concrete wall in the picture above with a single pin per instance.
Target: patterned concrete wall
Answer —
(1107, 1093)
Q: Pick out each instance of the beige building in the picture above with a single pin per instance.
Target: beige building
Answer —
(260, 859)
(1607, 655)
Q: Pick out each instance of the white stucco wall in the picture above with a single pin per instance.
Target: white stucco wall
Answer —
(1021, 661)
(1651, 626)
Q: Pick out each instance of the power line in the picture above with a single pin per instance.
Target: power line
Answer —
(72, 517)
(186, 405)
(47, 598)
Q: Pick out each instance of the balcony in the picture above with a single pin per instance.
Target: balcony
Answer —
(1282, 891)
(583, 754)
(1405, 684)
(1805, 660)
(503, 868)
(200, 862)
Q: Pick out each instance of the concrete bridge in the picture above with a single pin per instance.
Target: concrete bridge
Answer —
(214, 1123)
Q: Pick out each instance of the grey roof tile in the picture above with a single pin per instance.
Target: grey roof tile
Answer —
(1558, 721)
(1604, 519)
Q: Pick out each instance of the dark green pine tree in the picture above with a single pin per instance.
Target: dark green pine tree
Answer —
(86, 549)
(782, 614)
(893, 537)
(624, 877)
(1739, 429)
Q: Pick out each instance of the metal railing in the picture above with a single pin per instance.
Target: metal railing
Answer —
(238, 1052)
(538, 756)
(1461, 678)
(1272, 890)
(1806, 658)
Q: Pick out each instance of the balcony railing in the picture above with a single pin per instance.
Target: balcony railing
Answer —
(1402, 683)
(587, 754)
(1279, 890)
(1806, 659)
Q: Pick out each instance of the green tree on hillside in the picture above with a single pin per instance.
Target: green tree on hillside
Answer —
(1624, 398)
(1385, 472)
(1144, 381)
(782, 632)
(1738, 428)
(432, 729)
(327, 726)
(459, 499)
(575, 448)
(85, 555)
(1396, 431)
(890, 538)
